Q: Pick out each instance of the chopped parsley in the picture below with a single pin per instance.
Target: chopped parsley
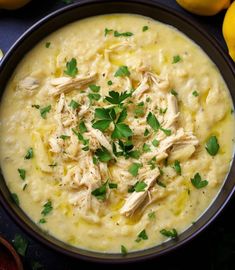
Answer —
(80, 137)
(103, 154)
(142, 236)
(174, 93)
(48, 44)
(109, 82)
(29, 153)
(155, 142)
(94, 88)
(124, 34)
(15, 198)
(20, 244)
(71, 68)
(198, 182)
(53, 165)
(151, 215)
(146, 148)
(166, 131)
(153, 122)
(47, 208)
(116, 98)
(177, 167)
(64, 137)
(82, 127)
(35, 106)
(212, 146)
(161, 184)
(195, 93)
(113, 185)
(134, 168)
(126, 150)
(138, 187)
(44, 111)
(121, 130)
(94, 96)
(145, 28)
(100, 193)
(152, 163)
(123, 250)
(122, 71)
(107, 31)
(176, 59)
(22, 173)
(146, 132)
(169, 233)
(73, 104)
(25, 186)
(42, 221)
(163, 111)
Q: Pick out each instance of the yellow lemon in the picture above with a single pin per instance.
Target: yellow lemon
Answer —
(228, 30)
(204, 7)
(13, 4)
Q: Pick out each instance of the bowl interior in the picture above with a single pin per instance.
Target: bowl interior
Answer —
(85, 9)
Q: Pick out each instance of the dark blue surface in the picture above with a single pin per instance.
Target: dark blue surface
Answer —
(213, 249)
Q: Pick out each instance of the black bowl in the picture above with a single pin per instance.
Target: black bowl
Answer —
(85, 9)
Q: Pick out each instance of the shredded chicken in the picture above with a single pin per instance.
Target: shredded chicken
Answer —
(65, 84)
(29, 83)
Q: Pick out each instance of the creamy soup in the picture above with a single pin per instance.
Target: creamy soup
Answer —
(116, 133)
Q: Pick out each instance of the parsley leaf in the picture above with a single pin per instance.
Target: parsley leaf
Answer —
(94, 88)
(64, 137)
(177, 167)
(71, 68)
(145, 28)
(122, 116)
(151, 215)
(123, 250)
(161, 184)
(140, 186)
(176, 59)
(116, 98)
(146, 132)
(42, 221)
(80, 137)
(102, 125)
(166, 131)
(146, 148)
(113, 185)
(195, 93)
(212, 146)
(124, 34)
(122, 71)
(15, 198)
(198, 182)
(134, 168)
(121, 130)
(22, 173)
(20, 244)
(44, 111)
(73, 104)
(152, 163)
(47, 208)
(82, 127)
(35, 106)
(29, 153)
(109, 82)
(93, 96)
(174, 93)
(107, 31)
(153, 122)
(103, 154)
(169, 233)
(142, 236)
(48, 44)
(100, 193)
(155, 142)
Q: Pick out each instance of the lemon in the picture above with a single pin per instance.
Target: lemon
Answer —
(204, 7)
(13, 4)
(228, 30)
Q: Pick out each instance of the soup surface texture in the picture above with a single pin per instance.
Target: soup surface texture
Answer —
(116, 133)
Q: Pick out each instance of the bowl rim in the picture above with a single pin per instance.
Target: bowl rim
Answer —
(212, 40)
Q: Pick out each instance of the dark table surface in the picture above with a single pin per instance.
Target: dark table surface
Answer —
(213, 249)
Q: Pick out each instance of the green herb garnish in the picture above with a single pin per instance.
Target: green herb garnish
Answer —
(29, 153)
(44, 111)
(15, 198)
(116, 98)
(71, 68)
(161, 184)
(174, 93)
(134, 168)
(195, 93)
(146, 148)
(73, 104)
(22, 173)
(151, 215)
(124, 34)
(94, 88)
(198, 182)
(142, 236)
(109, 82)
(155, 142)
(100, 193)
(103, 154)
(145, 28)
(113, 185)
(48, 44)
(107, 31)
(176, 59)
(42, 221)
(82, 127)
(153, 122)
(123, 250)
(212, 146)
(64, 137)
(177, 167)
(122, 71)
(47, 208)
(35, 106)
(169, 233)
